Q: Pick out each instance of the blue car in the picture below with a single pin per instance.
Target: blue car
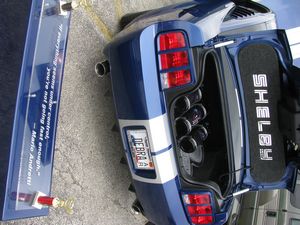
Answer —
(207, 101)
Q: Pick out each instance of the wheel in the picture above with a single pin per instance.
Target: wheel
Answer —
(126, 19)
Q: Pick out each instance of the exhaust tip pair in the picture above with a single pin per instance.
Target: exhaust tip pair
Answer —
(185, 124)
(190, 143)
(184, 103)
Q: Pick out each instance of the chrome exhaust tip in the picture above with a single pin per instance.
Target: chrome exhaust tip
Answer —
(136, 208)
(189, 144)
(102, 68)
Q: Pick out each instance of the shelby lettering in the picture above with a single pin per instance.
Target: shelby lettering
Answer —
(263, 115)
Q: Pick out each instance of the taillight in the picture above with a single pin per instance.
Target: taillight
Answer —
(194, 210)
(199, 207)
(202, 219)
(176, 78)
(197, 199)
(174, 64)
(171, 40)
(174, 59)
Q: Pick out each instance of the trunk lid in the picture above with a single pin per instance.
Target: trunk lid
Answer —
(260, 60)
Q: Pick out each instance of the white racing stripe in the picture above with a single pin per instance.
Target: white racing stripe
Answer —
(157, 128)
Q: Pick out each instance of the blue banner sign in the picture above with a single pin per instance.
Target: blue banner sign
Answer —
(30, 120)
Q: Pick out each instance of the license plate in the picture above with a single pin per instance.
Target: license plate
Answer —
(140, 149)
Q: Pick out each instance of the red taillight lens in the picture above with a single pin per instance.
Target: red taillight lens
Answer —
(195, 210)
(172, 61)
(199, 208)
(175, 59)
(171, 40)
(197, 199)
(176, 78)
(202, 219)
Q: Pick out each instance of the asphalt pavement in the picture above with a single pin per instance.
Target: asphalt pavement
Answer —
(87, 156)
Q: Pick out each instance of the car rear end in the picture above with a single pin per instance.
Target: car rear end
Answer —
(178, 105)
(149, 73)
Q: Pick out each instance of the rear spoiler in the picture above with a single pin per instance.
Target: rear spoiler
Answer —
(31, 69)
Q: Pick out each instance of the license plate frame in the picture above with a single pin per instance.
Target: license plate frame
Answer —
(140, 149)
